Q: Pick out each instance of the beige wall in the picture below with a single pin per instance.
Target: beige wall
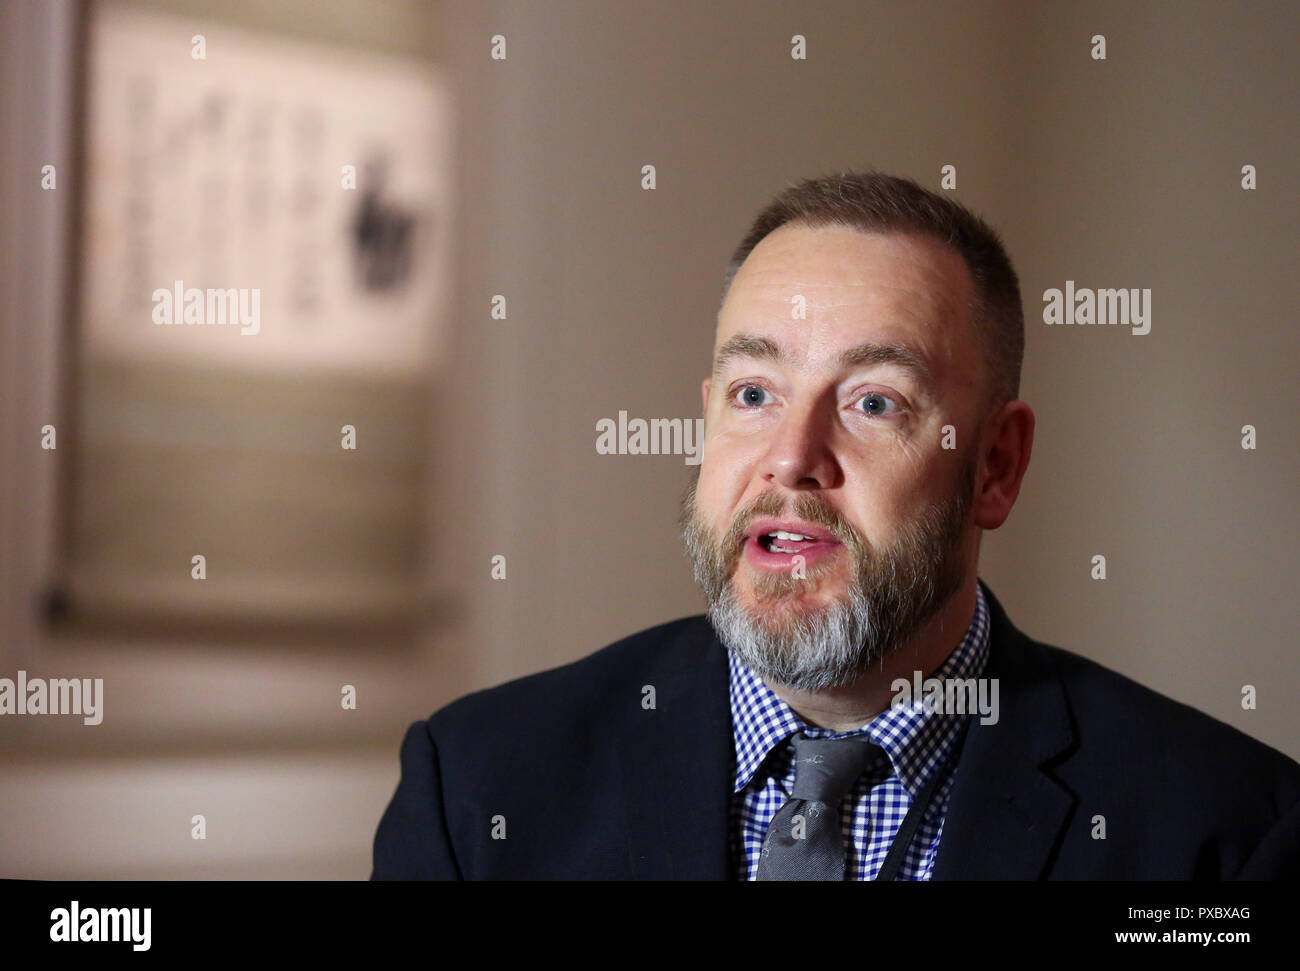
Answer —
(1115, 173)
(1123, 172)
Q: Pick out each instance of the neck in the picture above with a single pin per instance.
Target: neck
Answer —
(849, 707)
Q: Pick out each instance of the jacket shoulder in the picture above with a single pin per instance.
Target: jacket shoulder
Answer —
(1169, 736)
(599, 688)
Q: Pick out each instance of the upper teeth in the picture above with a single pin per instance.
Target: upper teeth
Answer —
(782, 534)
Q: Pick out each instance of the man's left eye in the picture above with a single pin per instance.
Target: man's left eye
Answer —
(876, 403)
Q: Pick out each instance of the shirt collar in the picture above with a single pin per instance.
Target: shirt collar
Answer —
(916, 740)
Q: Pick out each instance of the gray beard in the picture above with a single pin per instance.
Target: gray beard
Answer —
(893, 592)
(820, 649)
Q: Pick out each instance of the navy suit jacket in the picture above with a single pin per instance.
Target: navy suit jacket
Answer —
(565, 775)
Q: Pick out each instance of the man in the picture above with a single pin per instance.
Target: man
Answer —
(863, 428)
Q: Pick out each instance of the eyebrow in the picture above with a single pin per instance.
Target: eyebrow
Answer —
(870, 352)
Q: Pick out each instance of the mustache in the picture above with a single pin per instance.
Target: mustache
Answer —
(810, 507)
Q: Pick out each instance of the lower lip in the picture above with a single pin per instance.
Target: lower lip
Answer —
(812, 553)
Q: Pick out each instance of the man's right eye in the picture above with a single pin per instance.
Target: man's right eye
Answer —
(751, 395)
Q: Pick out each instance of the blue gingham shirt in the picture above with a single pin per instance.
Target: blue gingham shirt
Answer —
(916, 741)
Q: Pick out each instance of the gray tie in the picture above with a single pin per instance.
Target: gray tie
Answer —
(803, 840)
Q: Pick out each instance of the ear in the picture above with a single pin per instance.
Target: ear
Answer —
(1006, 450)
(704, 393)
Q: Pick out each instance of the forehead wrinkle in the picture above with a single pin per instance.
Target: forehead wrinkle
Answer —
(907, 296)
(889, 302)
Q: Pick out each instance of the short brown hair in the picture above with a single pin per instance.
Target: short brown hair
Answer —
(874, 202)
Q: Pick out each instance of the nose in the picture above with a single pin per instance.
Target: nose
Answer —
(799, 456)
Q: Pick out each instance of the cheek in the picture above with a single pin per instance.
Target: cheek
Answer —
(726, 467)
(711, 492)
(912, 454)
(875, 518)
(891, 494)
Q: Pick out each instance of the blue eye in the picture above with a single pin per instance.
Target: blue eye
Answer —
(752, 395)
(875, 404)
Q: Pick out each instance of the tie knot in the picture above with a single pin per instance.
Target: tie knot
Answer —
(824, 768)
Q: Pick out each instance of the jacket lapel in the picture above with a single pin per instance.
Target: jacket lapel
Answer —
(1006, 814)
(677, 762)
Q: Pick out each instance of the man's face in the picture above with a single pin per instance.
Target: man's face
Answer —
(839, 359)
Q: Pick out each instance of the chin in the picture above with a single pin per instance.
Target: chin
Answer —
(766, 590)
(777, 611)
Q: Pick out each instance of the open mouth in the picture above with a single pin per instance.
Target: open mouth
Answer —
(785, 542)
(772, 547)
